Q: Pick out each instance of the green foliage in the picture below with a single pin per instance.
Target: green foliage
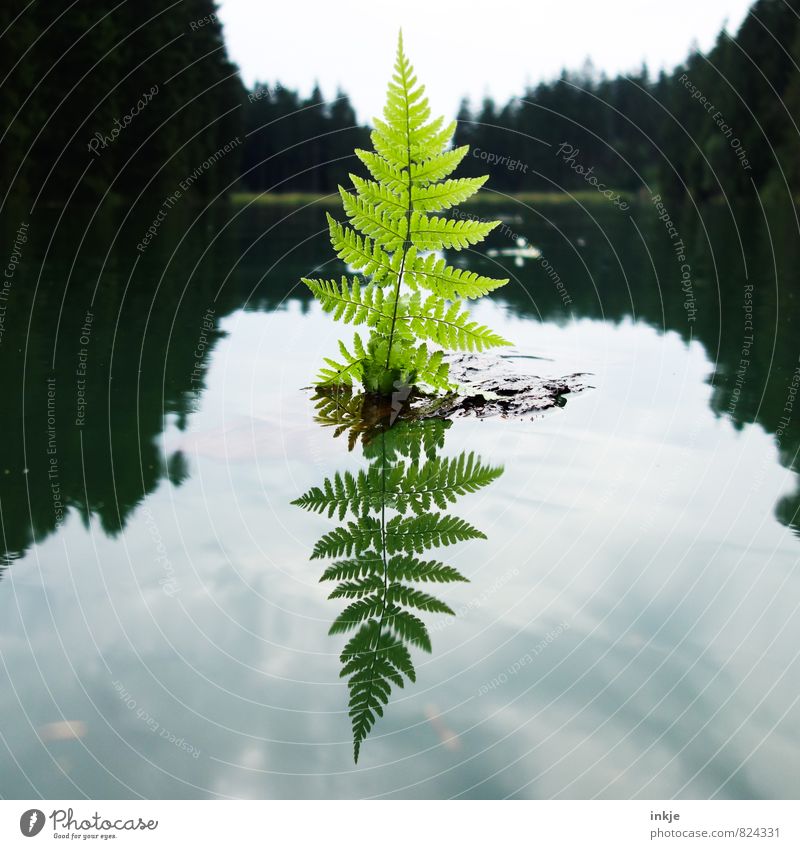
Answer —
(389, 521)
(389, 239)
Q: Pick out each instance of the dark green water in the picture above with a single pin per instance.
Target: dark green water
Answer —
(630, 626)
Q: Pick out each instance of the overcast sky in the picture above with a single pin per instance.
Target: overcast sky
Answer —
(461, 48)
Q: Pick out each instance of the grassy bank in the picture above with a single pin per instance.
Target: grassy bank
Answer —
(295, 199)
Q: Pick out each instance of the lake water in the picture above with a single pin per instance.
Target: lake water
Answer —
(631, 624)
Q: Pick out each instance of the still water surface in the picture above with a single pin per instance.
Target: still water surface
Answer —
(631, 625)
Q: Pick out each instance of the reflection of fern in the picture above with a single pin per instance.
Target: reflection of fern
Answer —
(402, 487)
(379, 570)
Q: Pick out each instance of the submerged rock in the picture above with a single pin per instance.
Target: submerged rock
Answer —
(488, 386)
(493, 386)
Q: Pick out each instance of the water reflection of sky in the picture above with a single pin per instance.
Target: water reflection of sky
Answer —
(634, 515)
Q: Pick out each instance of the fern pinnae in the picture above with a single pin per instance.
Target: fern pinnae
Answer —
(411, 303)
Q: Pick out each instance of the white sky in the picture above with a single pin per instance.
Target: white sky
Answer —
(459, 48)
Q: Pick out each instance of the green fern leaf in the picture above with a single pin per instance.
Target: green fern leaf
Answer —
(437, 167)
(362, 253)
(385, 173)
(432, 233)
(411, 597)
(353, 537)
(440, 481)
(408, 439)
(350, 302)
(449, 326)
(358, 588)
(408, 627)
(390, 501)
(433, 273)
(416, 533)
(430, 368)
(438, 196)
(410, 169)
(391, 202)
(357, 567)
(385, 230)
(358, 611)
(347, 372)
(404, 567)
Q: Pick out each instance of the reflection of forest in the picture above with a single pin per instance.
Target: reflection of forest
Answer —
(137, 363)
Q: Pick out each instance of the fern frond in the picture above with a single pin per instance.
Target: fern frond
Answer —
(373, 657)
(448, 325)
(416, 533)
(411, 597)
(433, 273)
(356, 493)
(408, 626)
(437, 167)
(382, 198)
(358, 588)
(353, 537)
(408, 439)
(351, 303)
(358, 611)
(385, 230)
(431, 369)
(393, 178)
(431, 140)
(404, 567)
(362, 253)
(348, 372)
(389, 225)
(357, 567)
(397, 155)
(438, 196)
(440, 481)
(431, 233)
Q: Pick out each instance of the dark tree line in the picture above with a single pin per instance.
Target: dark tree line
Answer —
(299, 144)
(719, 123)
(713, 125)
(147, 84)
(141, 94)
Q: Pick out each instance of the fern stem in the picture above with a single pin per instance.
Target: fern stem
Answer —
(407, 242)
(379, 633)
